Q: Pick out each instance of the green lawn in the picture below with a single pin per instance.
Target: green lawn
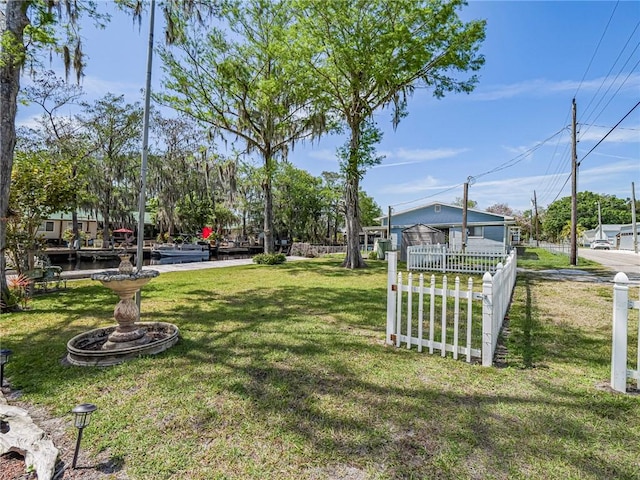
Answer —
(282, 373)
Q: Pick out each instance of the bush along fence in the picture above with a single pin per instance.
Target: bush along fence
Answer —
(459, 321)
(439, 258)
(620, 339)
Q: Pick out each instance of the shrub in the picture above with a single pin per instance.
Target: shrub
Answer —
(269, 258)
(373, 255)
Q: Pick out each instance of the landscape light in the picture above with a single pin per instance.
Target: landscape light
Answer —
(82, 418)
(4, 359)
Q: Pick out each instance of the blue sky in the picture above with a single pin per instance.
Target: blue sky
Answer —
(512, 134)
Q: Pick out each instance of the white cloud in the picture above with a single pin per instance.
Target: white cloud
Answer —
(540, 87)
(418, 155)
(415, 186)
(28, 122)
(323, 154)
(97, 87)
(620, 135)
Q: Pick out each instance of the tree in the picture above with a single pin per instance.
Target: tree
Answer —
(182, 175)
(370, 54)
(459, 202)
(113, 128)
(369, 210)
(299, 203)
(614, 211)
(333, 194)
(240, 82)
(61, 135)
(39, 188)
(501, 209)
(25, 27)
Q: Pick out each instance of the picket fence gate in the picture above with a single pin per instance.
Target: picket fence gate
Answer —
(495, 298)
(620, 338)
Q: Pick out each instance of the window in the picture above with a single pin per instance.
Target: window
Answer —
(475, 231)
(46, 227)
(436, 208)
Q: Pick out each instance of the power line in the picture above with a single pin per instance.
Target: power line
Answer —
(521, 157)
(597, 48)
(609, 132)
(604, 79)
(509, 163)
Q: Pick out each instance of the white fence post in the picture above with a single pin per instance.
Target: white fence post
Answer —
(487, 320)
(619, 342)
(392, 272)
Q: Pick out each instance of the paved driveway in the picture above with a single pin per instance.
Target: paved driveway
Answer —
(617, 260)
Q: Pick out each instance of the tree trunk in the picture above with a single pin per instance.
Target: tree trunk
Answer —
(353, 258)
(268, 207)
(352, 209)
(13, 21)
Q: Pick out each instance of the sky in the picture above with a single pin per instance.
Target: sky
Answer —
(509, 138)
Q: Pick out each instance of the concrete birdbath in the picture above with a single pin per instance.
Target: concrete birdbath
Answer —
(129, 338)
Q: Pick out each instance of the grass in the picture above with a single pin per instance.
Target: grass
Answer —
(540, 259)
(281, 372)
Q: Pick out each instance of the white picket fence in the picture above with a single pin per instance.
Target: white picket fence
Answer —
(620, 339)
(439, 258)
(454, 325)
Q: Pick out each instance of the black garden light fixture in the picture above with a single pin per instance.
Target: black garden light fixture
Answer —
(4, 359)
(82, 418)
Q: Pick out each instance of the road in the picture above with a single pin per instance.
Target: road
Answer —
(617, 260)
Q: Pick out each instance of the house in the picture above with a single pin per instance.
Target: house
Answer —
(627, 237)
(485, 230)
(53, 228)
(620, 236)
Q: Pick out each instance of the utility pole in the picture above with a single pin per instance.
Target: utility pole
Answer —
(634, 225)
(465, 197)
(600, 221)
(535, 208)
(145, 150)
(574, 187)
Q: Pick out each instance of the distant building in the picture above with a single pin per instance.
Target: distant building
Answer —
(620, 236)
(485, 230)
(53, 228)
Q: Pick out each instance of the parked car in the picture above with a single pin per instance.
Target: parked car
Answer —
(600, 245)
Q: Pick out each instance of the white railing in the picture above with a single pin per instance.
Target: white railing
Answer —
(439, 258)
(556, 248)
(621, 307)
(444, 319)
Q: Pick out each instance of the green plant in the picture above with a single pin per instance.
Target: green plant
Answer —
(373, 255)
(18, 294)
(269, 258)
(67, 235)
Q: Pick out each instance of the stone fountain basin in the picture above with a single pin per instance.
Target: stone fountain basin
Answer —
(126, 284)
(85, 349)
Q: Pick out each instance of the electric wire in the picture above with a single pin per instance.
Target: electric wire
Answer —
(609, 132)
(613, 82)
(594, 147)
(597, 48)
(604, 79)
(509, 163)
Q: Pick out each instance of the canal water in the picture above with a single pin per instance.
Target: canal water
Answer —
(75, 265)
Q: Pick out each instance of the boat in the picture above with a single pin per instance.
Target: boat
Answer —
(180, 250)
